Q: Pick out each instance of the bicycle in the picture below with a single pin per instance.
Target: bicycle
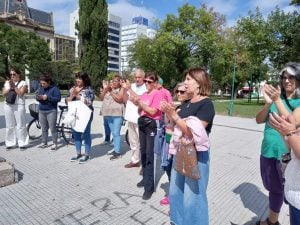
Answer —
(34, 127)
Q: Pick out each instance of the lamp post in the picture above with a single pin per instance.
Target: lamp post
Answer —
(230, 111)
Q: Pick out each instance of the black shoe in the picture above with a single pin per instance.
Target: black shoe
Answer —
(140, 184)
(111, 153)
(84, 159)
(75, 158)
(115, 156)
(22, 148)
(10, 148)
(43, 146)
(147, 195)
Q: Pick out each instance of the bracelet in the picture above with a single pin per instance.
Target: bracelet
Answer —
(292, 133)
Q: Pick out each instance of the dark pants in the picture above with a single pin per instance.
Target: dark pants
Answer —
(271, 175)
(147, 132)
(107, 131)
(168, 168)
(294, 215)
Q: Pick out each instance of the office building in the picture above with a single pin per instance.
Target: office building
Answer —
(114, 39)
(130, 34)
(17, 14)
(64, 48)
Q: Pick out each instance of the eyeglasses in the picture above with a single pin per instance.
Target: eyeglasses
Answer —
(148, 81)
(13, 74)
(287, 77)
(180, 92)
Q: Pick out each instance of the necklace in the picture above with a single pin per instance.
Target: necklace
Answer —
(188, 105)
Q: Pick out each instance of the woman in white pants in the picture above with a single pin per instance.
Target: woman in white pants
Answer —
(16, 133)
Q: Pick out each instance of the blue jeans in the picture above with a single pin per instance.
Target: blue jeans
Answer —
(294, 215)
(188, 199)
(86, 136)
(115, 124)
(107, 131)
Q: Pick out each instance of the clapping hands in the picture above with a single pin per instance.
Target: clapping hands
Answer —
(167, 107)
(271, 94)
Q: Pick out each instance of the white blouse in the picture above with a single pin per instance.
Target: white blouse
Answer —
(19, 100)
(292, 182)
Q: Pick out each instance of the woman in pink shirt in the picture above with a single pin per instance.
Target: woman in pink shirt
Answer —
(150, 114)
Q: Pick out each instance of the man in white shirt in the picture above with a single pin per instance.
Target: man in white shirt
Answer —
(131, 115)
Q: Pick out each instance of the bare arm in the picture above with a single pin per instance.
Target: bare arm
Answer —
(118, 97)
(274, 94)
(287, 127)
(143, 107)
(262, 115)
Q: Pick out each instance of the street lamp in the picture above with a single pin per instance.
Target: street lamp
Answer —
(230, 111)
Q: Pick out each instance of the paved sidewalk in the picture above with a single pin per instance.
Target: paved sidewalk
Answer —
(54, 190)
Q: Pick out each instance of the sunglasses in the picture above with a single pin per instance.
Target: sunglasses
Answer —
(180, 92)
(287, 77)
(148, 81)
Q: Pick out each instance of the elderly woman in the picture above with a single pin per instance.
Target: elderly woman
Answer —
(82, 91)
(112, 111)
(181, 96)
(150, 114)
(287, 127)
(14, 112)
(281, 100)
(188, 198)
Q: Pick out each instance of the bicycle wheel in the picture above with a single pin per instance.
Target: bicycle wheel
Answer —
(126, 137)
(34, 129)
(67, 134)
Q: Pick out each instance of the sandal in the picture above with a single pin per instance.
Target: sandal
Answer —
(268, 222)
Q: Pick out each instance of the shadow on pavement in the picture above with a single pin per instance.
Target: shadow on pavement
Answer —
(254, 200)
(101, 150)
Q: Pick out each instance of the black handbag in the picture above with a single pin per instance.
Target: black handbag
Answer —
(11, 96)
(144, 121)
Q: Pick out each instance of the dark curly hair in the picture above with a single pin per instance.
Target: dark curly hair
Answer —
(84, 77)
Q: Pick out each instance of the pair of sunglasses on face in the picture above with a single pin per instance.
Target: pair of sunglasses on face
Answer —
(180, 92)
(148, 81)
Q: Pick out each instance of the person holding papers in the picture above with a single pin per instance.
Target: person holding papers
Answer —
(82, 92)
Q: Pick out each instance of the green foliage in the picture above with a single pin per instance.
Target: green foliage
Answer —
(295, 2)
(93, 31)
(284, 35)
(187, 40)
(22, 50)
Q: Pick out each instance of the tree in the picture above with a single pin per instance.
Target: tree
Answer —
(295, 2)
(284, 35)
(93, 32)
(22, 50)
(187, 40)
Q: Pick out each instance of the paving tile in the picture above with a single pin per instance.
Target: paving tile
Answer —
(55, 191)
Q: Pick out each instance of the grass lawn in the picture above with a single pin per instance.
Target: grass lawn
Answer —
(241, 108)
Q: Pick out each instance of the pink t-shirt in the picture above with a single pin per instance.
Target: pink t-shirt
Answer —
(153, 100)
(166, 95)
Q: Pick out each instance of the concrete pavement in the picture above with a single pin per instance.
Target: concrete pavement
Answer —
(54, 190)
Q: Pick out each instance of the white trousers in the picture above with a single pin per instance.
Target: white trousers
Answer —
(134, 141)
(16, 133)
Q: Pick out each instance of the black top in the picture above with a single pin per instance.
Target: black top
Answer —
(203, 110)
